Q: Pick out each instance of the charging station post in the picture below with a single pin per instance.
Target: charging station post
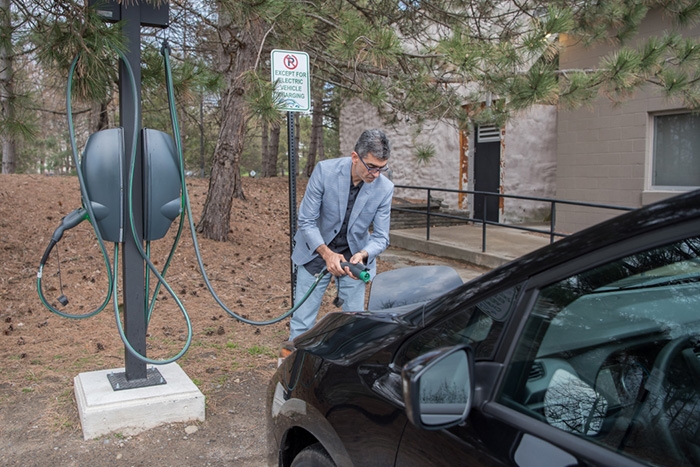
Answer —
(133, 16)
(138, 398)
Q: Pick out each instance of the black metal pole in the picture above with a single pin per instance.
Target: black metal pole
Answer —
(133, 275)
(428, 216)
(483, 225)
(291, 151)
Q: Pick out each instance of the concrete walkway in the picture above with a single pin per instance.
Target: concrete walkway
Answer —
(461, 245)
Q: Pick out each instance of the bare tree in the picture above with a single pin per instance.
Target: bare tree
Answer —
(7, 106)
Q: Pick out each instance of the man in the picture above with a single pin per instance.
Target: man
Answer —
(343, 198)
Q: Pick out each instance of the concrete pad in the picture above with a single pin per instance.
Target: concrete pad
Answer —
(103, 410)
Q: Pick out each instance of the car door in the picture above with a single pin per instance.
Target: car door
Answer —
(480, 322)
(598, 365)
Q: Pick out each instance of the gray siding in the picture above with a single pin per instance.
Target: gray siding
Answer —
(603, 151)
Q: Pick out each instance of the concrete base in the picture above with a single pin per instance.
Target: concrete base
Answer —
(130, 411)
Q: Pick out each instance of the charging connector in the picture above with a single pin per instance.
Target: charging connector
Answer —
(358, 270)
(69, 221)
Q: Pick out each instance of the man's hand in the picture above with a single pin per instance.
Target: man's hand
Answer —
(332, 260)
(358, 257)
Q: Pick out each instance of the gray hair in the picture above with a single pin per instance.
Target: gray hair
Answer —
(374, 142)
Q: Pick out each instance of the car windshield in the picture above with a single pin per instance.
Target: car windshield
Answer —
(659, 296)
(620, 314)
(682, 271)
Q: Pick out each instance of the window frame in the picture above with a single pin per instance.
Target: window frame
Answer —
(651, 155)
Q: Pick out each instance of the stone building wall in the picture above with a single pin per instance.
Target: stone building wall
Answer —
(527, 161)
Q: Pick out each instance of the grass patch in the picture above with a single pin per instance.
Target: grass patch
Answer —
(261, 350)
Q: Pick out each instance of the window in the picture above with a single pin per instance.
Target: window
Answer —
(479, 326)
(676, 151)
(611, 355)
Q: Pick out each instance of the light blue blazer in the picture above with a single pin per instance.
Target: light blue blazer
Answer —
(322, 211)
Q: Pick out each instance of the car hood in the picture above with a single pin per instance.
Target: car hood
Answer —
(344, 338)
(394, 295)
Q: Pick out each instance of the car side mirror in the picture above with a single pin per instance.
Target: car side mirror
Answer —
(438, 387)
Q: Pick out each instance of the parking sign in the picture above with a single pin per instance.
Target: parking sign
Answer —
(291, 72)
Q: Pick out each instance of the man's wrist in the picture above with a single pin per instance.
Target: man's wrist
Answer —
(324, 251)
(365, 255)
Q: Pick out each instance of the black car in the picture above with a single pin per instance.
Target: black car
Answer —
(582, 353)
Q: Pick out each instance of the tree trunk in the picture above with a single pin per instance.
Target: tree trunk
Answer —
(321, 147)
(225, 180)
(265, 144)
(311, 158)
(271, 146)
(239, 51)
(9, 157)
(274, 148)
(316, 126)
(99, 116)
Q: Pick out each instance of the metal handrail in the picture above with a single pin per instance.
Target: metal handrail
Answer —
(552, 201)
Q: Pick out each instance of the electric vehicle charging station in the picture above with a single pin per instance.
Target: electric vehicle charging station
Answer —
(133, 186)
(134, 398)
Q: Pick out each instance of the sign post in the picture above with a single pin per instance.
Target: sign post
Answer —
(290, 73)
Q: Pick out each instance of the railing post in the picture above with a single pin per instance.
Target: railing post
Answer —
(483, 226)
(427, 235)
(552, 221)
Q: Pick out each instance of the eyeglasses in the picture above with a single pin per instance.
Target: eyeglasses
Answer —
(373, 169)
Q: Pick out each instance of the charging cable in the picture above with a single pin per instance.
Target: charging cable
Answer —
(86, 212)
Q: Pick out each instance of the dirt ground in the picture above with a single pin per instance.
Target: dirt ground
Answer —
(231, 362)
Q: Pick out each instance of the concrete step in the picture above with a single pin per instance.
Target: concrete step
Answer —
(462, 244)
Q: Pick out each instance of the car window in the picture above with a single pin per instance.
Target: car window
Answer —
(611, 355)
(479, 325)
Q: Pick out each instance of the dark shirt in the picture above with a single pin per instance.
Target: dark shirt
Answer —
(339, 244)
